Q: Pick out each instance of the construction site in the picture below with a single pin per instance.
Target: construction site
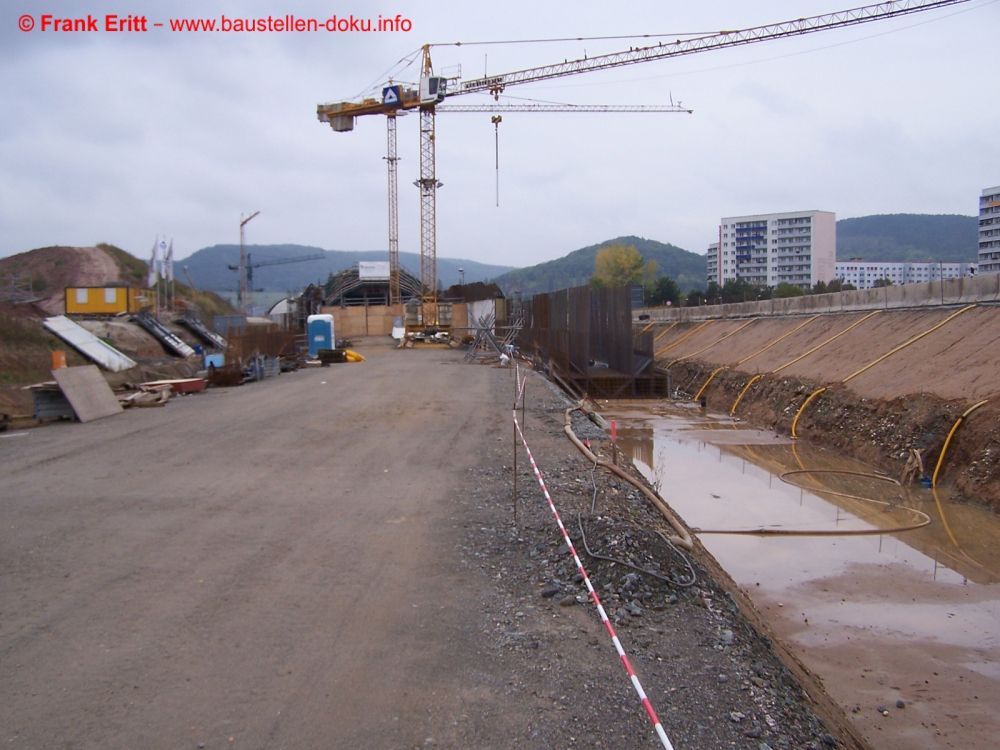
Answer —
(391, 514)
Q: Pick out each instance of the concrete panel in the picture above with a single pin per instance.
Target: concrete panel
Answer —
(87, 392)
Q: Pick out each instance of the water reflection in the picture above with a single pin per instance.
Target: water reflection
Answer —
(910, 616)
(677, 450)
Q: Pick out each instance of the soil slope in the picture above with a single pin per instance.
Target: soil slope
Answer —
(910, 399)
(52, 269)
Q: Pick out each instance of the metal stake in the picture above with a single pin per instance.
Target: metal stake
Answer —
(515, 460)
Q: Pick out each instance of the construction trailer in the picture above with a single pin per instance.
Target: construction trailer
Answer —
(108, 300)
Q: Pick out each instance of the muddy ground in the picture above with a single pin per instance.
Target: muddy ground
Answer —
(330, 558)
(877, 432)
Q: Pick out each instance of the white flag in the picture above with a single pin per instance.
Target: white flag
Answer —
(168, 263)
(151, 276)
(161, 252)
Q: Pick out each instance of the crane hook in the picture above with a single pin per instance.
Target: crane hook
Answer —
(496, 120)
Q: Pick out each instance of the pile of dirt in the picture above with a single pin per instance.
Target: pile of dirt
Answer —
(52, 269)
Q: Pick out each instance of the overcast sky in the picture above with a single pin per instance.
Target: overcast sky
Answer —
(117, 137)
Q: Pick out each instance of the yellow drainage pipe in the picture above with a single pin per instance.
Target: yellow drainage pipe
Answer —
(947, 441)
(802, 408)
(944, 520)
(684, 337)
(705, 349)
(648, 327)
(665, 331)
(746, 388)
(798, 460)
(702, 389)
(820, 346)
(777, 340)
(903, 346)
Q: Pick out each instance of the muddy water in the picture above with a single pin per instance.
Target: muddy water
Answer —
(911, 616)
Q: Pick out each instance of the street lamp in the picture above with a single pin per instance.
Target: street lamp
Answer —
(462, 271)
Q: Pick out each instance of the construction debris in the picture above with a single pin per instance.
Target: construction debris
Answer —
(87, 392)
(88, 344)
(147, 396)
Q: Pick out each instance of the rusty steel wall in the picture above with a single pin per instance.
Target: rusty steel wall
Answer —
(573, 327)
(611, 328)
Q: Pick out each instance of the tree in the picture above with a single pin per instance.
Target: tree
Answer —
(879, 283)
(740, 290)
(784, 289)
(712, 293)
(695, 297)
(662, 291)
(821, 288)
(617, 265)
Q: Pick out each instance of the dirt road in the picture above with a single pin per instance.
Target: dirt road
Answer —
(327, 560)
(266, 565)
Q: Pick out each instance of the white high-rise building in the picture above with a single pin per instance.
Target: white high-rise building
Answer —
(989, 230)
(799, 247)
(864, 273)
(712, 261)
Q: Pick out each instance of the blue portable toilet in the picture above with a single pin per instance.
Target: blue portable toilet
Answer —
(320, 331)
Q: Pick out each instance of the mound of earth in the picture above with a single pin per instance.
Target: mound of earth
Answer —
(52, 269)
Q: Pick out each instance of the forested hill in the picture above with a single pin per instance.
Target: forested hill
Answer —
(208, 267)
(575, 269)
(908, 237)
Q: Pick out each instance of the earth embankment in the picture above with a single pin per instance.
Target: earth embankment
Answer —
(896, 380)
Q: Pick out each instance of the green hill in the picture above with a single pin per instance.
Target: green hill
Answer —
(208, 267)
(575, 269)
(908, 237)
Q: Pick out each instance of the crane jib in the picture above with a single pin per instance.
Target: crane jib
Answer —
(722, 40)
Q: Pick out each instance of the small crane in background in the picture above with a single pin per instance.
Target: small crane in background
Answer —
(246, 288)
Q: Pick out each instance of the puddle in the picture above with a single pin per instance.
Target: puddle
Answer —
(911, 615)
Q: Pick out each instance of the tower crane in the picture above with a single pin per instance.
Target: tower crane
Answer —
(248, 266)
(428, 268)
(434, 89)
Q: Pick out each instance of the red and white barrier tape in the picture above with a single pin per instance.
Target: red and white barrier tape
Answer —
(586, 579)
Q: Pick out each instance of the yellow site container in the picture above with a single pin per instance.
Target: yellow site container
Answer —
(107, 300)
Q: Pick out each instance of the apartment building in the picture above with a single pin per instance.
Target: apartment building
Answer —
(712, 262)
(798, 248)
(989, 230)
(863, 274)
